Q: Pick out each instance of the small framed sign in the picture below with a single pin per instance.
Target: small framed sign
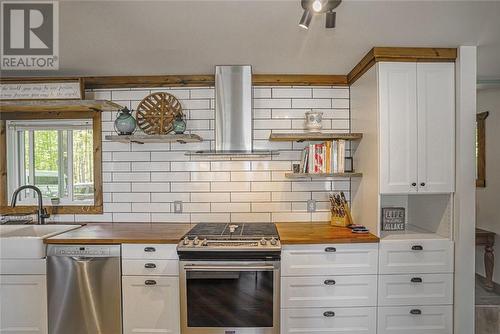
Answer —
(41, 90)
(393, 219)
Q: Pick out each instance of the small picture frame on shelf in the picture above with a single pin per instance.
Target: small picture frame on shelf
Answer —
(348, 167)
(393, 219)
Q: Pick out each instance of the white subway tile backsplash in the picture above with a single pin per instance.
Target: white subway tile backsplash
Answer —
(291, 93)
(190, 186)
(169, 197)
(272, 103)
(132, 197)
(230, 207)
(140, 182)
(151, 187)
(251, 197)
(334, 93)
(250, 217)
(210, 197)
(312, 103)
(250, 176)
(230, 186)
(230, 165)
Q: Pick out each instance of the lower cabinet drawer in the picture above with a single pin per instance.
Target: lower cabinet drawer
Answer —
(415, 320)
(329, 291)
(414, 289)
(149, 251)
(150, 304)
(150, 267)
(349, 320)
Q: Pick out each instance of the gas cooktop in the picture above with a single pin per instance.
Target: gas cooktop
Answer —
(231, 236)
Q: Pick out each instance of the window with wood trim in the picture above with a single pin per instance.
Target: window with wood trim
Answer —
(60, 153)
(481, 149)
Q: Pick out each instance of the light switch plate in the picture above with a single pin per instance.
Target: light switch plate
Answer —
(178, 206)
(311, 205)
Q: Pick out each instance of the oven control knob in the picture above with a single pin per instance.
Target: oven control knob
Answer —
(263, 241)
(204, 242)
(185, 241)
(196, 241)
(274, 241)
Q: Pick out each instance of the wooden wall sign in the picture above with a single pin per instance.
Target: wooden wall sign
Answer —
(64, 90)
(393, 219)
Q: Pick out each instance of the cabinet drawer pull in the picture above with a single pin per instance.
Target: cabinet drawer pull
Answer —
(330, 249)
(150, 265)
(422, 184)
(329, 314)
(416, 280)
(330, 282)
(417, 248)
(150, 249)
(150, 282)
(416, 312)
(414, 184)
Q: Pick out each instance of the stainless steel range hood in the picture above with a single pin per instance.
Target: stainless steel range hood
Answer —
(233, 113)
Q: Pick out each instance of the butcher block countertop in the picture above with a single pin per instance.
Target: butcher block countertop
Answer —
(118, 233)
(320, 233)
(122, 233)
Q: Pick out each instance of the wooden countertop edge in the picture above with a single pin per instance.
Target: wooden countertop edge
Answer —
(330, 241)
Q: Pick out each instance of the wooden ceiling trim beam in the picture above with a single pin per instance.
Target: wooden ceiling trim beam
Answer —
(400, 54)
(209, 80)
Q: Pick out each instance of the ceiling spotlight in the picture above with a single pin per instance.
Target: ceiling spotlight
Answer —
(330, 19)
(317, 6)
(306, 18)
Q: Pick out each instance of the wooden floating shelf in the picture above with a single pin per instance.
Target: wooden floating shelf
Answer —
(300, 137)
(141, 139)
(320, 175)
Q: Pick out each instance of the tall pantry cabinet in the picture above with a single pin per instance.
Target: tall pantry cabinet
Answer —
(417, 107)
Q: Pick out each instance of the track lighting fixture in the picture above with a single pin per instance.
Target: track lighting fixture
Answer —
(319, 7)
(306, 18)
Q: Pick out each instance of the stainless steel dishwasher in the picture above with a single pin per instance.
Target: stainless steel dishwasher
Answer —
(84, 289)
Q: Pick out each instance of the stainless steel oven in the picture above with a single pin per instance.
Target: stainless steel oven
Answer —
(230, 296)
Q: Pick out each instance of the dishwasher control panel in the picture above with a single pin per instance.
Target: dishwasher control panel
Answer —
(84, 250)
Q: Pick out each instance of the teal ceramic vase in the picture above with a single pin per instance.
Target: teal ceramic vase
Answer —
(125, 123)
(179, 125)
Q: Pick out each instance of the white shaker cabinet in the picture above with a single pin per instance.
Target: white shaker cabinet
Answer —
(23, 304)
(150, 304)
(150, 285)
(417, 108)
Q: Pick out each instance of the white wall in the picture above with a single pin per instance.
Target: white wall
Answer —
(488, 198)
(140, 182)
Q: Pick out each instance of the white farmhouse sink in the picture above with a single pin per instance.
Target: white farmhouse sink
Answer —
(26, 241)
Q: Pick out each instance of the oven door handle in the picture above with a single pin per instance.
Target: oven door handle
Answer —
(194, 267)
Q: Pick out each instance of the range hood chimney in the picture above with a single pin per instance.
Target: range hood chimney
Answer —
(233, 113)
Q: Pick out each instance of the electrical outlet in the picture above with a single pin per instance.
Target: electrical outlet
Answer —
(178, 206)
(311, 205)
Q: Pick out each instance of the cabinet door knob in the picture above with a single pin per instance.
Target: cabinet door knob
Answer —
(330, 282)
(330, 249)
(414, 184)
(150, 249)
(150, 282)
(329, 314)
(416, 280)
(422, 184)
(417, 248)
(416, 312)
(150, 265)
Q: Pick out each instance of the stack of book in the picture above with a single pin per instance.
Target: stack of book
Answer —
(327, 157)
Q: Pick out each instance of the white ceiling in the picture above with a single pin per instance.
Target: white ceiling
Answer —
(190, 37)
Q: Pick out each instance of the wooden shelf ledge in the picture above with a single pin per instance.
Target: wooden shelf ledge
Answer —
(141, 139)
(320, 175)
(300, 137)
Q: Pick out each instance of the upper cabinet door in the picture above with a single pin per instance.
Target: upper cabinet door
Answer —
(436, 127)
(398, 127)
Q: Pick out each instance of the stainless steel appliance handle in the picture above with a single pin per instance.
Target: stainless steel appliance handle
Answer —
(194, 267)
(82, 258)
